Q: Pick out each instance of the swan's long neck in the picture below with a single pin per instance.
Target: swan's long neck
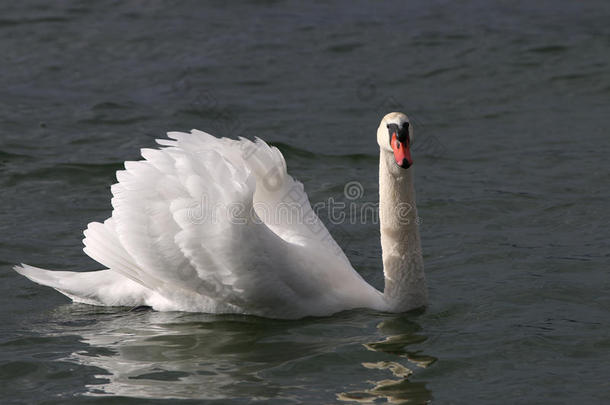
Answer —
(403, 266)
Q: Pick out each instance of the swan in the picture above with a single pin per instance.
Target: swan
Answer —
(194, 227)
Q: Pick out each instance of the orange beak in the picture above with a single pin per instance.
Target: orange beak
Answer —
(402, 153)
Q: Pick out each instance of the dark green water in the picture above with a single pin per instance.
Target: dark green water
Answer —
(510, 106)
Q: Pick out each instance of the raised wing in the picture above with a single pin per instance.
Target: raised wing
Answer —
(217, 225)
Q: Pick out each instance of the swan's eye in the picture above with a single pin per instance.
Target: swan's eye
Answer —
(405, 125)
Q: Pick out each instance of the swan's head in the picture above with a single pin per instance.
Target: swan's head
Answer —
(395, 135)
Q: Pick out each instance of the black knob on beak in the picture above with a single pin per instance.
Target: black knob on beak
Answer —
(402, 133)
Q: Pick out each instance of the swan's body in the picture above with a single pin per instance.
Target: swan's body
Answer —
(217, 225)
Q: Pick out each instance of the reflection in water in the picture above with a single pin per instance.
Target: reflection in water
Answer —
(149, 354)
(400, 390)
(177, 355)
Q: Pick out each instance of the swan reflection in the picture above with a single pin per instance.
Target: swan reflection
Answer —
(149, 354)
(400, 390)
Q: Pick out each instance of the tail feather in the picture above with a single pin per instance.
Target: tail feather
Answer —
(103, 287)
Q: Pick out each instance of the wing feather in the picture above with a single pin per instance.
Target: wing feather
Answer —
(196, 221)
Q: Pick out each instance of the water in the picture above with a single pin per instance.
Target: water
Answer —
(510, 106)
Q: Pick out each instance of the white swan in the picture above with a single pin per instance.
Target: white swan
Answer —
(195, 227)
